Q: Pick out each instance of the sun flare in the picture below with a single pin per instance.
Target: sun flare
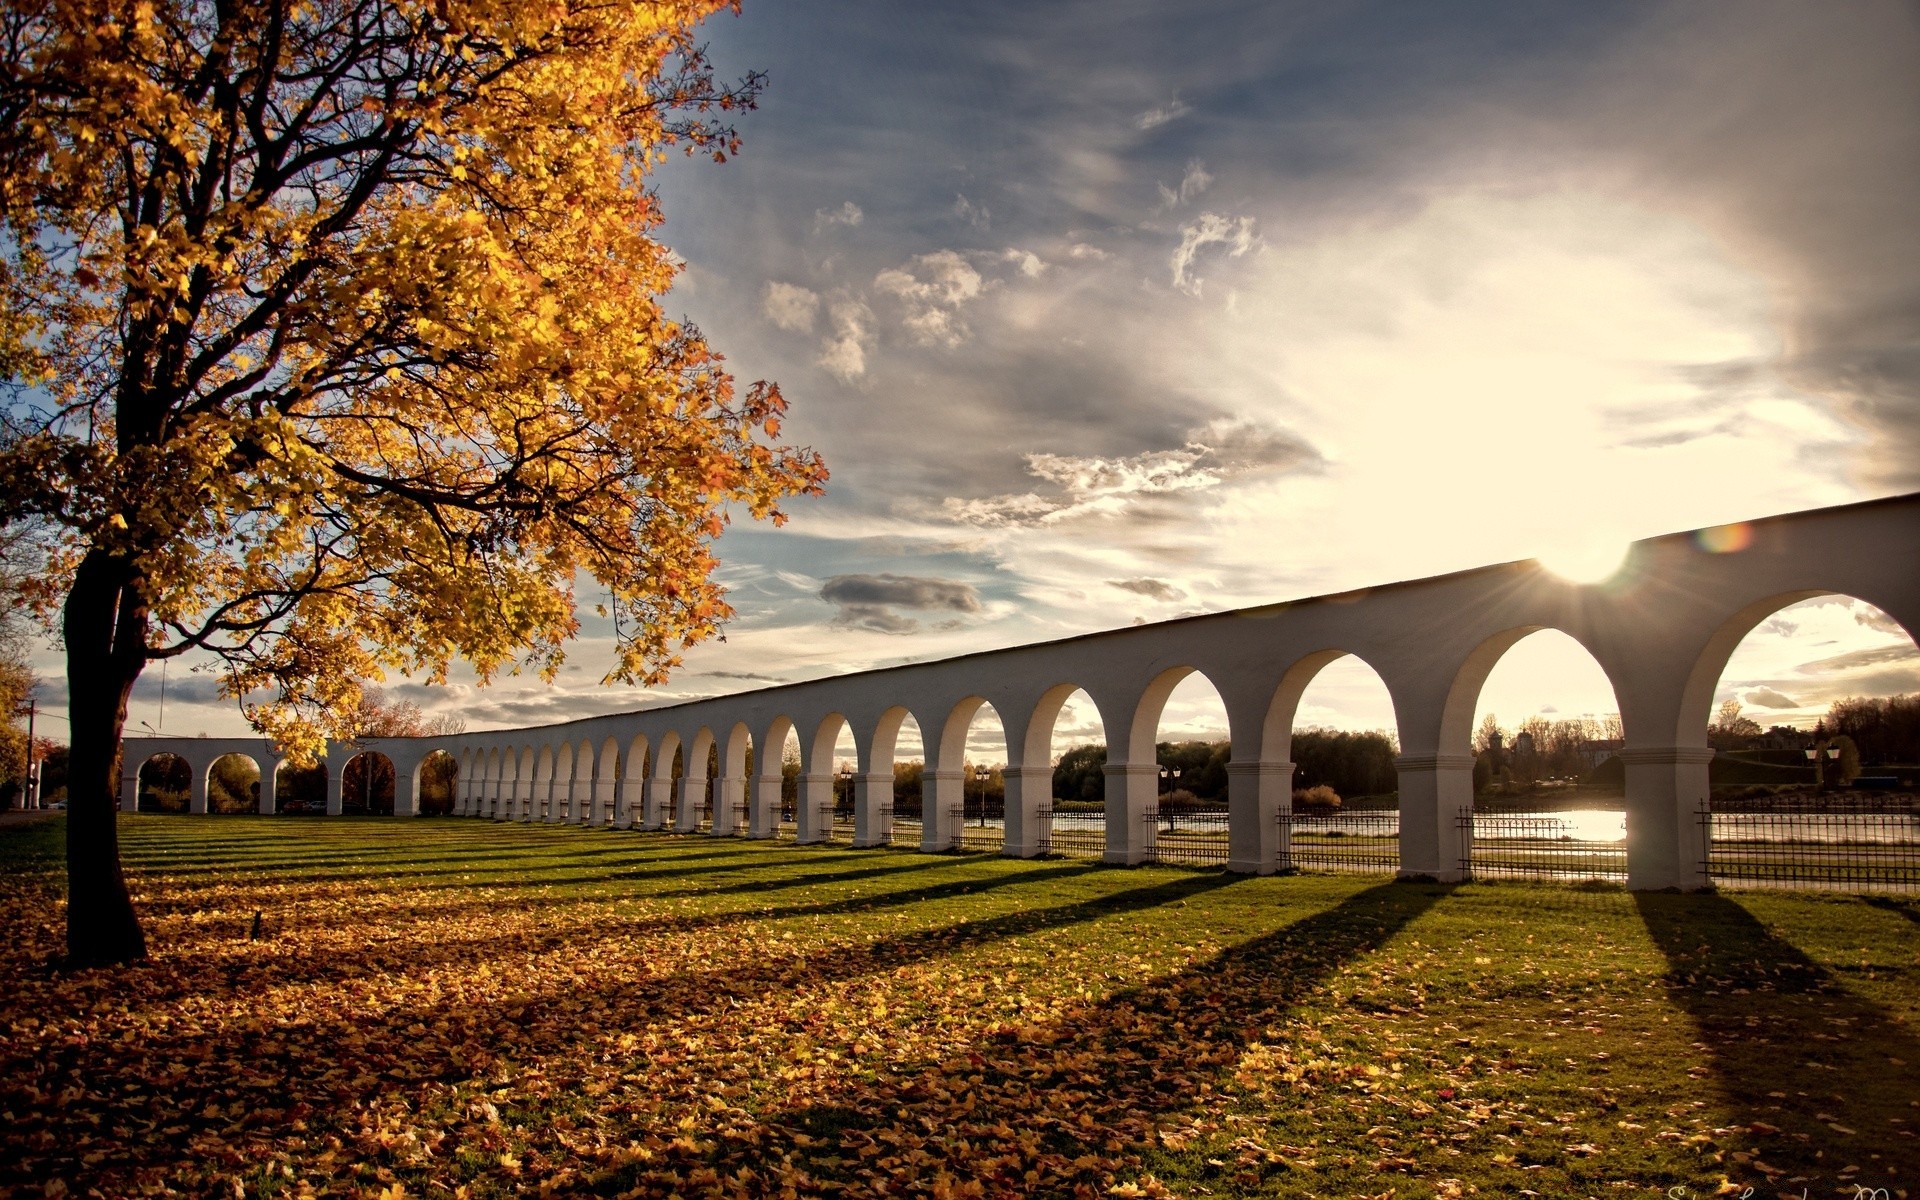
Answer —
(1585, 562)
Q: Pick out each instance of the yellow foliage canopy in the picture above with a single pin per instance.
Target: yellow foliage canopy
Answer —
(342, 323)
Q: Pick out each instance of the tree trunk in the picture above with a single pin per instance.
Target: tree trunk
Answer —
(105, 624)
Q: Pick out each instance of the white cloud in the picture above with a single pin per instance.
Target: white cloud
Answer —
(1082, 250)
(845, 352)
(847, 214)
(933, 288)
(1195, 181)
(1031, 265)
(1235, 233)
(1089, 485)
(790, 306)
(1154, 118)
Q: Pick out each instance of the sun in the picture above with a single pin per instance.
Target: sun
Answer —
(1592, 561)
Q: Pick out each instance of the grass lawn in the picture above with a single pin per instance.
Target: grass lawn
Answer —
(455, 1008)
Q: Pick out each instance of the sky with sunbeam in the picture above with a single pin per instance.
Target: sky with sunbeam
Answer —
(1118, 311)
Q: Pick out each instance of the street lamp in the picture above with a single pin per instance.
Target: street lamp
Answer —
(846, 777)
(1814, 759)
(980, 776)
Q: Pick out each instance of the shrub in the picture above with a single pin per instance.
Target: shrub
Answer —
(1317, 796)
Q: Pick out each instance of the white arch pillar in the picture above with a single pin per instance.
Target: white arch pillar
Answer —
(269, 787)
(813, 816)
(336, 788)
(1259, 794)
(406, 789)
(197, 788)
(872, 809)
(729, 806)
(1667, 835)
(1029, 811)
(1436, 796)
(693, 797)
(1133, 807)
(654, 815)
(606, 798)
(942, 809)
(763, 816)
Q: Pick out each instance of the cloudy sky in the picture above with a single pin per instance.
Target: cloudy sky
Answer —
(1116, 311)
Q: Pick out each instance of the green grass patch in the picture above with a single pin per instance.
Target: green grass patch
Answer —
(463, 1008)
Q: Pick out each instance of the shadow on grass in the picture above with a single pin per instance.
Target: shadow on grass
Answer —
(1789, 1044)
(1119, 1066)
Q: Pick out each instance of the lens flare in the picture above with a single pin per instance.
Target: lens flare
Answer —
(1585, 562)
(1725, 539)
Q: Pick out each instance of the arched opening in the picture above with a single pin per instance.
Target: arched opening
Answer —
(233, 784)
(560, 791)
(1813, 721)
(635, 771)
(366, 785)
(1181, 727)
(538, 805)
(896, 768)
(439, 784)
(606, 782)
(669, 768)
(735, 781)
(1548, 788)
(580, 802)
(489, 802)
(702, 767)
(165, 782)
(1068, 733)
(522, 807)
(300, 791)
(1329, 744)
(828, 796)
(784, 739)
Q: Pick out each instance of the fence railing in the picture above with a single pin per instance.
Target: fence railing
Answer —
(1328, 840)
(1844, 843)
(1188, 835)
(1540, 846)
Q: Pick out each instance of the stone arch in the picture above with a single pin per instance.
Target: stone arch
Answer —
(542, 784)
(1455, 733)
(696, 795)
(606, 782)
(632, 803)
(877, 802)
(580, 797)
(493, 768)
(1037, 744)
(765, 811)
(367, 784)
(1696, 698)
(228, 791)
(1144, 730)
(524, 781)
(438, 786)
(818, 797)
(661, 806)
(559, 796)
(1276, 732)
(164, 783)
(730, 811)
(298, 790)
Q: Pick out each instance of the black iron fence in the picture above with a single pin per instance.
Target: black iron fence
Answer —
(1081, 834)
(1544, 846)
(983, 824)
(1846, 843)
(1330, 840)
(1191, 834)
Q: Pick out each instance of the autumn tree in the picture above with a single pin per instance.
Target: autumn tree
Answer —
(337, 342)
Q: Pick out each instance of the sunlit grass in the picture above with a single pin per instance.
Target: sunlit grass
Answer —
(440, 1005)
